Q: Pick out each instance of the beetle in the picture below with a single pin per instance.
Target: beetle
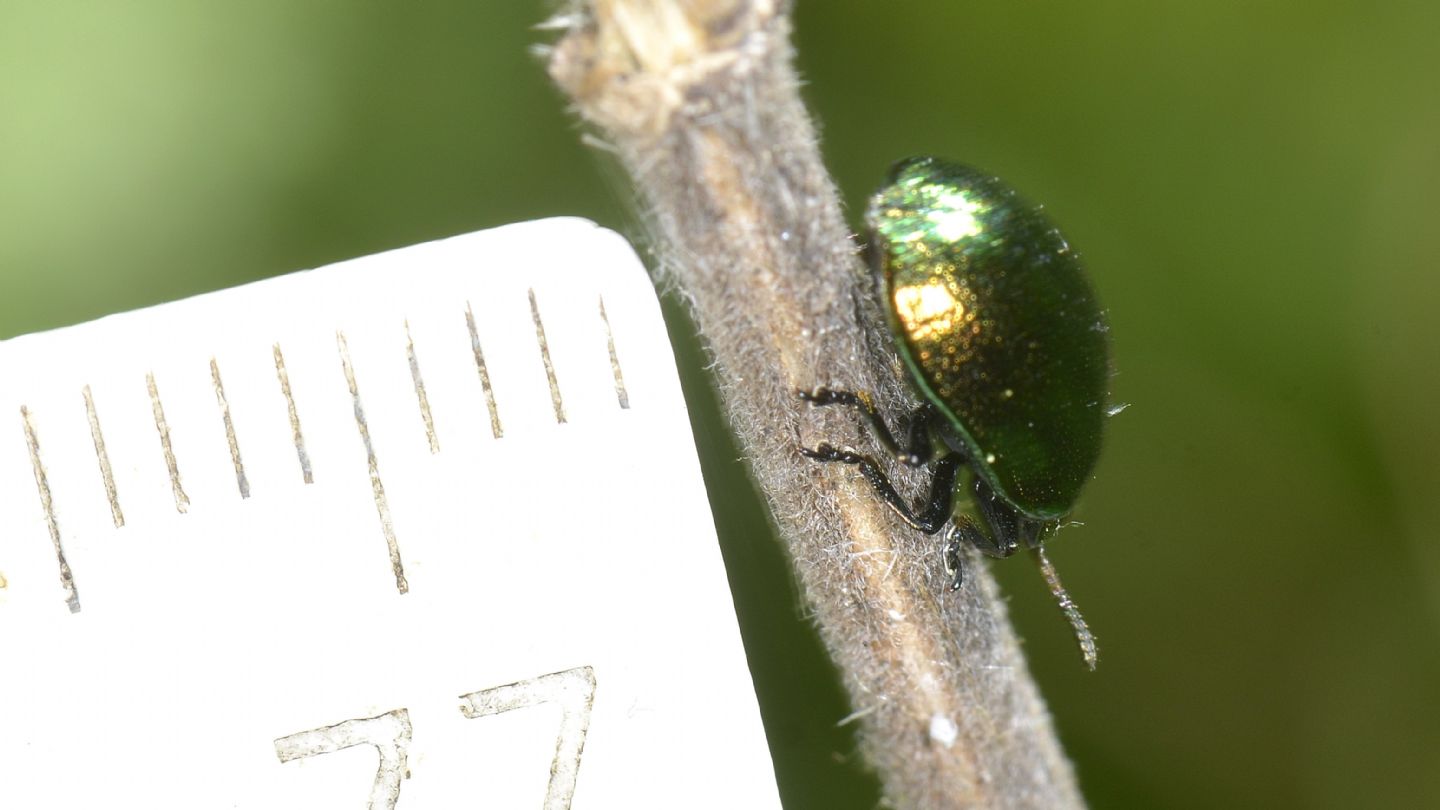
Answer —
(992, 313)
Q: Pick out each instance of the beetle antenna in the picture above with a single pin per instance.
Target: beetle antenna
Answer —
(1088, 650)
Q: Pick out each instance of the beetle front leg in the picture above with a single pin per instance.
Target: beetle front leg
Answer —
(964, 531)
(984, 542)
(918, 449)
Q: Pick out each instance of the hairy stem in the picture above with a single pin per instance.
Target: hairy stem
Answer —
(699, 99)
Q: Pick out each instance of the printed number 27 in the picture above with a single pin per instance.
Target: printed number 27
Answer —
(572, 689)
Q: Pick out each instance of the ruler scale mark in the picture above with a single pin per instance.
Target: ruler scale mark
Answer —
(420, 391)
(106, 475)
(240, 480)
(620, 393)
(47, 503)
(545, 358)
(295, 434)
(382, 505)
(495, 428)
(182, 501)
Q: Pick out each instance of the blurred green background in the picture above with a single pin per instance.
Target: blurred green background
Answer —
(1255, 188)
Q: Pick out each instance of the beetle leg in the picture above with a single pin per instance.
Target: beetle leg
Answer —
(982, 540)
(964, 531)
(918, 449)
(942, 486)
(1004, 536)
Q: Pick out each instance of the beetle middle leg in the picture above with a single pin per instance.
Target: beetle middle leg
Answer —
(936, 510)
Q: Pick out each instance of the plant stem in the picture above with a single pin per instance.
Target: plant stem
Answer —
(699, 100)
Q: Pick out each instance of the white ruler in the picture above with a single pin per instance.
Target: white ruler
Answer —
(424, 529)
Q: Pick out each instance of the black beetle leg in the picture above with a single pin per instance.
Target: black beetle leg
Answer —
(1004, 536)
(942, 486)
(983, 542)
(917, 451)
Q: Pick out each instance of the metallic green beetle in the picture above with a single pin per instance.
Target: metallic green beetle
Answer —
(992, 313)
